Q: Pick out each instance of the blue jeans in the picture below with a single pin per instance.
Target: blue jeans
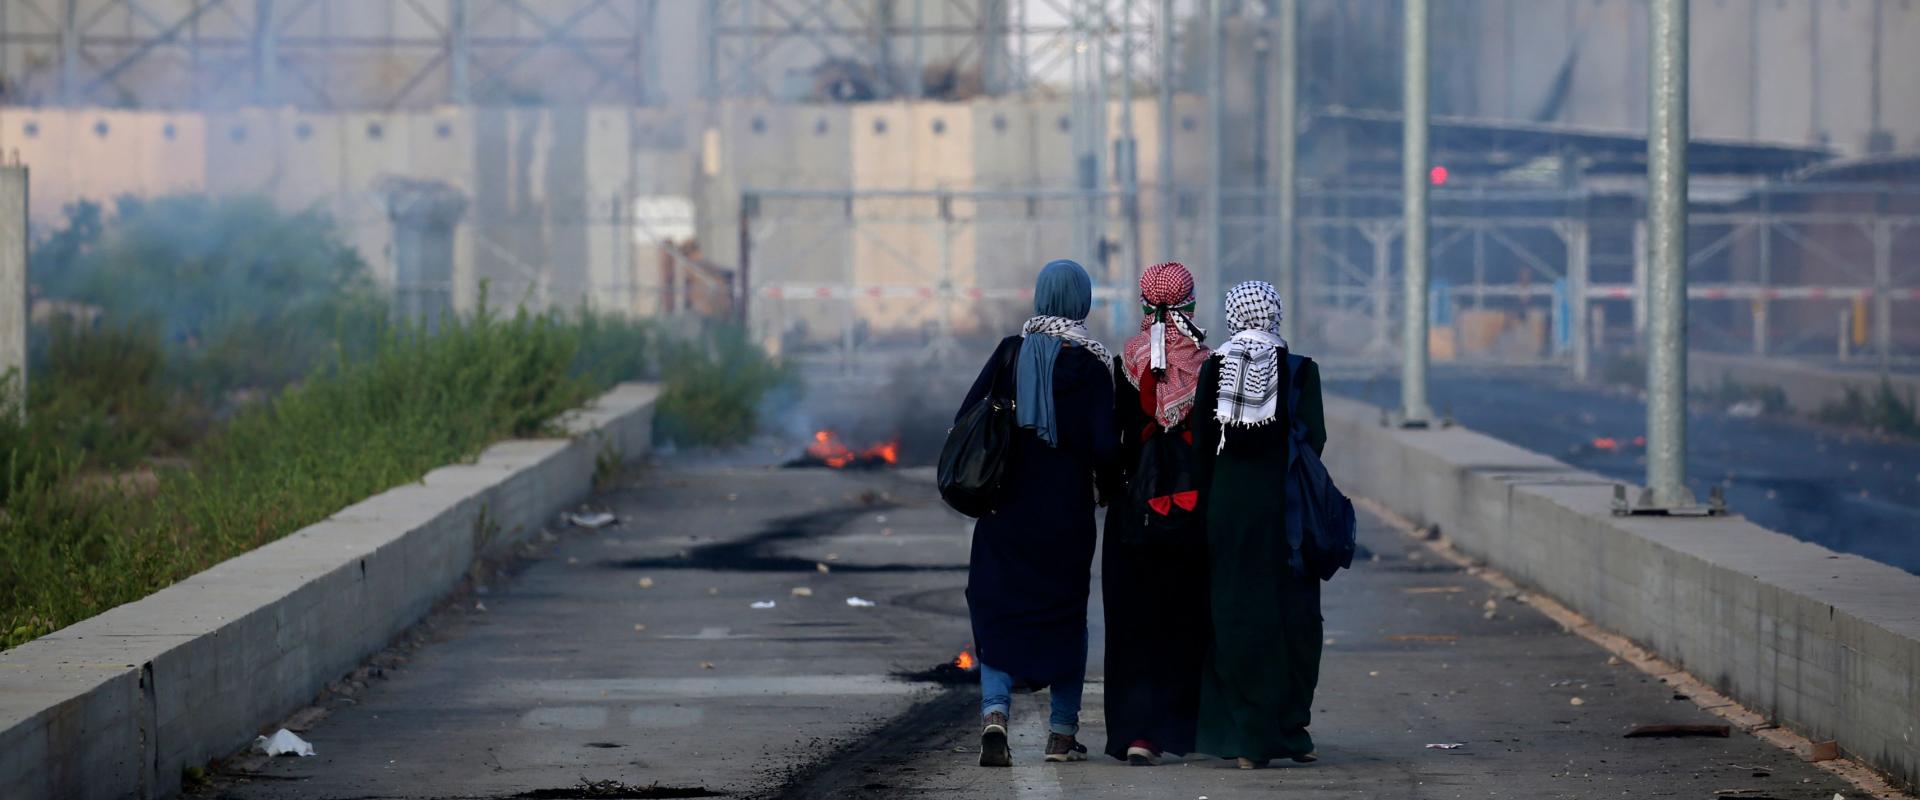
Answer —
(996, 694)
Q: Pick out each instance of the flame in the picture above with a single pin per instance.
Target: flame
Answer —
(964, 660)
(828, 448)
(887, 452)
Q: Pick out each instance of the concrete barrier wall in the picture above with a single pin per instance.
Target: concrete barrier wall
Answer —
(117, 705)
(1823, 643)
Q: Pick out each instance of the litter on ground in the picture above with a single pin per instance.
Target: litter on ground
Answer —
(763, 604)
(860, 603)
(592, 520)
(1447, 746)
(282, 743)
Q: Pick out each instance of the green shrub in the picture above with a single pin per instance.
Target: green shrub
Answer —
(1883, 408)
(241, 294)
(713, 388)
(615, 349)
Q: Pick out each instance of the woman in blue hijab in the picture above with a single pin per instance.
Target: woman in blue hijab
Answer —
(1028, 575)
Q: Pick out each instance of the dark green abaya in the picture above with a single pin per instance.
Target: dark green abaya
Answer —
(1256, 692)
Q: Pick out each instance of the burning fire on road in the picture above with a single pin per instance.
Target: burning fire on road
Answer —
(827, 450)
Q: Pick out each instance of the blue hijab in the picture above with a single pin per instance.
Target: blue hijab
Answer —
(1063, 290)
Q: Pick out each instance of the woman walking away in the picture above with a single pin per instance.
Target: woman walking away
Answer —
(1028, 576)
(1153, 567)
(1256, 691)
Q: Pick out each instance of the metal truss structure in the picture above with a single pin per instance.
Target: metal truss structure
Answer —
(324, 54)
(915, 48)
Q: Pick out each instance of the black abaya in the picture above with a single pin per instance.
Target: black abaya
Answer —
(1027, 578)
(1155, 594)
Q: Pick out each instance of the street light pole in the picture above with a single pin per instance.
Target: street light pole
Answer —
(1289, 101)
(1414, 411)
(1667, 261)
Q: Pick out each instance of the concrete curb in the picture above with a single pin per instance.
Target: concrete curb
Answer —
(1825, 644)
(117, 705)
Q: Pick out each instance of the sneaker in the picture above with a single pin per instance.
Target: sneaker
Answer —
(993, 741)
(1142, 753)
(1062, 747)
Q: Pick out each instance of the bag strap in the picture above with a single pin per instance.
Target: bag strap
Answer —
(1295, 365)
(1003, 371)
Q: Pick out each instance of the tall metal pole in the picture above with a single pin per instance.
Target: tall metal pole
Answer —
(1127, 166)
(1414, 158)
(266, 54)
(459, 76)
(1288, 144)
(1667, 260)
(1168, 193)
(1210, 293)
(70, 54)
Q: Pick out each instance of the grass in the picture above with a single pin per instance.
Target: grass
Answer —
(69, 552)
(1881, 409)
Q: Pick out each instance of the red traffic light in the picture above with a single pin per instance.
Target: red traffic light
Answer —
(1438, 175)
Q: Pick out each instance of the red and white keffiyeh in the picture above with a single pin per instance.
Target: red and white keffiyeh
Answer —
(1169, 344)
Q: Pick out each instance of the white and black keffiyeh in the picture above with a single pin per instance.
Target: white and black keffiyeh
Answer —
(1072, 330)
(1250, 361)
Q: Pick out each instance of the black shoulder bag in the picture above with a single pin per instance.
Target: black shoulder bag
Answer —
(973, 462)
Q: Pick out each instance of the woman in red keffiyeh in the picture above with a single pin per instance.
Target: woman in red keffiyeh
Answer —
(1153, 564)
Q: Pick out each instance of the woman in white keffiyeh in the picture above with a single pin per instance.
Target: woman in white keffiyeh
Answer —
(1249, 362)
(1264, 658)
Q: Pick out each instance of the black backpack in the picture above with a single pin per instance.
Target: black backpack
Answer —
(1322, 517)
(1165, 493)
(973, 462)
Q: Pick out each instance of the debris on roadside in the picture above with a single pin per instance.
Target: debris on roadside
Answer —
(1677, 731)
(706, 665)
(646, 583)
(282, 743)
(802, 591)
(1576, 702)
(823, 568)
(593, 520)
(1828, 750)
(762, 604)
(1447, 746)
(860, 603)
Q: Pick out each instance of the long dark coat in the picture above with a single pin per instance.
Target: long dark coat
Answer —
(1155, 592)
(1028, 577)
(1256, 691)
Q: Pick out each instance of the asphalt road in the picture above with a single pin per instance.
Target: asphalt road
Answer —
(1847, 490)
(555, 682)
